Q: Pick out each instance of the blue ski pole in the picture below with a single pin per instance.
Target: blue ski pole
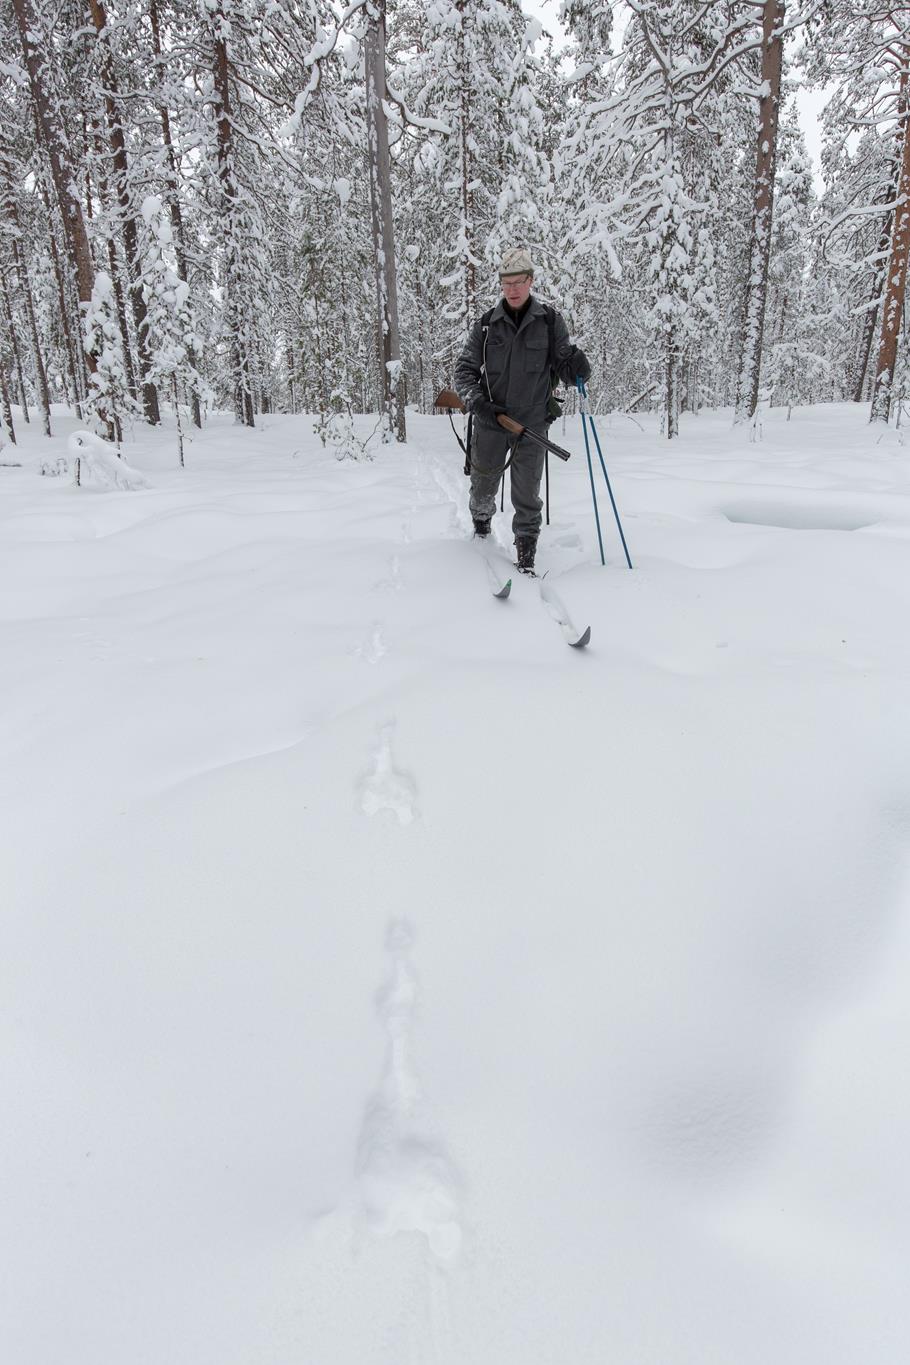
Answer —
(584, 427)
(584, 394)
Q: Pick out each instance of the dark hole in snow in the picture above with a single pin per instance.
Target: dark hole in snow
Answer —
(793, 517)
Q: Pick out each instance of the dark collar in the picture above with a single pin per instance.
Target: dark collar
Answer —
(534, 308)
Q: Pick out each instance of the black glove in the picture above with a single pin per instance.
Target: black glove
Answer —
(576, 365)
(485, 412)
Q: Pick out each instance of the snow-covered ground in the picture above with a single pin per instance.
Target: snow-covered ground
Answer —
(384, 981)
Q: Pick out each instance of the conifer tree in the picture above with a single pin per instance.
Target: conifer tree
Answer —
(35, 33)
(772, 52)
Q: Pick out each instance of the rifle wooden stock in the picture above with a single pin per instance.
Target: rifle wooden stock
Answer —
(447, 398)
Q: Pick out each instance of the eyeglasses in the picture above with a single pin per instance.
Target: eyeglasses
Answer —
(513, 281)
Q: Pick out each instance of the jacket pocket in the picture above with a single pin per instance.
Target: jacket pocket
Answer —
(495, 357)
(536, 349)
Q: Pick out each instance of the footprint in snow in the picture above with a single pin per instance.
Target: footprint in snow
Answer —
(386, 788)
(407, 1181)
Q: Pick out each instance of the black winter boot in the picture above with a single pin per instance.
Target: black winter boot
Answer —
(482, 526)
(526, 547)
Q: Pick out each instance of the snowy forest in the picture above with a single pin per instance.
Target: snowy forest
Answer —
(296, 206)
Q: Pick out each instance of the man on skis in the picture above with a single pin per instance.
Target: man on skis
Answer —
(509, 363)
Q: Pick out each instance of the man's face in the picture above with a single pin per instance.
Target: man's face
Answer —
(516, 288)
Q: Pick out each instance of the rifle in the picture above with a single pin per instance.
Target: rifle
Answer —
(449, 399)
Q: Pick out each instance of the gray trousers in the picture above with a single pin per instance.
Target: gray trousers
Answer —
(489, 452)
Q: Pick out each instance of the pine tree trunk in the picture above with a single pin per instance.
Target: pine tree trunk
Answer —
(21, 276)
(112, 261)
(672, 386)
(881, 270)
(392, 380)
(243, 398)
(424, 399)
(6, 410)
(75, 357)
(62, 174)
(466, 171)
(893, 306)
(173, 202)
(14, 347)
(25, 289)
(120, 302)
(763, 210)
(127, 216)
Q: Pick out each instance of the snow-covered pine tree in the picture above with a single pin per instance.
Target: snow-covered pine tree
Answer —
(863, 51)
(14, 266)
(601, 304)
(649, 171)
(379, 171)
(173, 109)
(769, 97)
(792, 366)
(110, 399)
(38, 47)
(173, 339)
(111, 41)
(234, 170)
(479, 178)
(322, 240)
(30, 216)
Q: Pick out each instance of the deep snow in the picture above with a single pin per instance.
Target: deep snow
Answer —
(384, 981)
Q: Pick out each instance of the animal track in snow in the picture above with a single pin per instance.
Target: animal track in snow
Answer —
(376, 649)
(407, 1181)
(386, 788)
(394, 582)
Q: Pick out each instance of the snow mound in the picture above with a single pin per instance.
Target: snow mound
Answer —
(798, 516)
(101, 465)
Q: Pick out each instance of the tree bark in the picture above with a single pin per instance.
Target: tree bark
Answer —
(6, 411)
(893, 306)
(25, 290)
(763, 210)
(466, 170)
(243, 396)
(392, 379)
(21, 277)
(14, 347)
(173, 201)
(127, 215)
(870, 317)
(112, 260)
(75, 355)
(62, 174)
(672, 385)
(875, 297)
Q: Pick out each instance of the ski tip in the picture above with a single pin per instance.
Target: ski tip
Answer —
(504, 591)
(582, 639)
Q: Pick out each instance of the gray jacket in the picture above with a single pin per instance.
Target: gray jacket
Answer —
(510, 366)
